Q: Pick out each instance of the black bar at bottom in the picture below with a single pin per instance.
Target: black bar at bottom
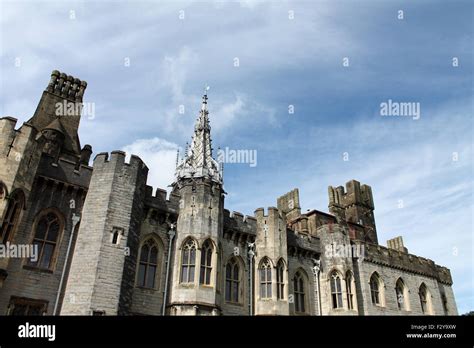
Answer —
(136, 330)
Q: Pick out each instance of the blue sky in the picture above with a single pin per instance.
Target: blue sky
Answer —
(419, 191)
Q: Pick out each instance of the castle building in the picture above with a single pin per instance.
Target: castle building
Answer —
(108, 245)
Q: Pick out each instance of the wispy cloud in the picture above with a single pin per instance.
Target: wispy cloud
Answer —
(289, 53)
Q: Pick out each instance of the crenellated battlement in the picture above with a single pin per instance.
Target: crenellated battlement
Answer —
(272, 213)
(66, 86)
(236, 221)
(117, 158)
(354, 193)
(160, 200)
(355, 204)
(15, 139)
(408, 262)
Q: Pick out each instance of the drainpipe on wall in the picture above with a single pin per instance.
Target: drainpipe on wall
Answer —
(171, 234)
(316, 271)
(251, 254)
(75, 221)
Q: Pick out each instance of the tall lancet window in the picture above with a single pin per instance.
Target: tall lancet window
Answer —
(336, 290)
(206, 263)
(148, 264)
(350, 290)
(232, 281)
(425, 299)
(402, 295)
(299, 287)
(47, 233)
(188, 261)
(265, 279)
(280, 281)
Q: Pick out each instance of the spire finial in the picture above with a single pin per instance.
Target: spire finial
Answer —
(204, 97)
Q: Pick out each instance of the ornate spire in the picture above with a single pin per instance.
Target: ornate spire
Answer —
(199, 162)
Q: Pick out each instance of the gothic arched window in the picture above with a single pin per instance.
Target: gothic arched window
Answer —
(12, 215)
(425, 299)
(375, 285)
(188, 261)
(401, 292)
(298, 287)
(350, 290)
(336, 290)
(265, 278)
(148, 264)
(47, 232)
(280, 280)
(232, 281)
(206, 263)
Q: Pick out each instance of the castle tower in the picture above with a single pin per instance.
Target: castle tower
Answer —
(62, 101)
(338, 256)
(200, 222)
(356, 205)
(271, 264)
(289, 204)
(103, 268)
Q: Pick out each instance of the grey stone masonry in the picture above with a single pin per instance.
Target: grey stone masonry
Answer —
(102, 273)
(139, 252)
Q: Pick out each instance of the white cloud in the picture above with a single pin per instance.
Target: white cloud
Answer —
(172, 59)
(160, 157)
(226, 114)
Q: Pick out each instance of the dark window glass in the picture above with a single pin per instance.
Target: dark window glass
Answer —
(336, 293)
(266, 279)
(23, 306)
(188, 261)
(46, 238)
(232, 281)
(10, 220)
(206, 263)
(148, 265)
(374, 289)
(299, 295)
(349, 291)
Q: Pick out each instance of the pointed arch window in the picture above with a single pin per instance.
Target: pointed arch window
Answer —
(425, 299)
(401, 292)
(188, 261)
(12, 215)
(350, 290)
(265, 279)
(47, 232)
(299, 289)
(336, 290)
(148, 264)
(375, 289)
(280, 280)
(206, 263)
(232, 281)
